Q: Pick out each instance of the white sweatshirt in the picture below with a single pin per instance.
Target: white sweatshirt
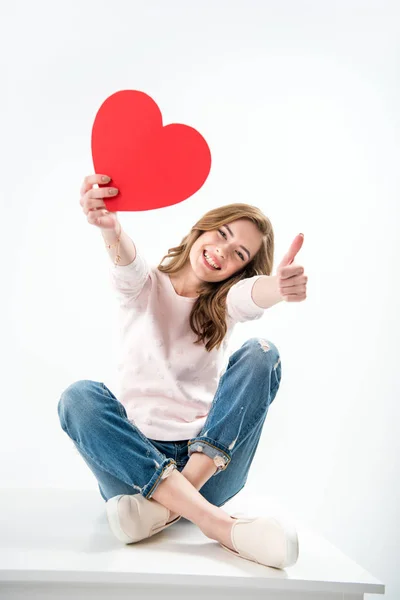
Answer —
(167, 383)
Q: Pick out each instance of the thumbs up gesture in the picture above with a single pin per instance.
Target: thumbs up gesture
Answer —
(291, 279)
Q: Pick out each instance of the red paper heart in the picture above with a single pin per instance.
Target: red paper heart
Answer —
(152, 166)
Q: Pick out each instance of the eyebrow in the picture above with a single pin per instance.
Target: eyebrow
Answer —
(230, 231)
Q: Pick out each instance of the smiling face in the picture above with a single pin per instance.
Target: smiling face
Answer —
(231, 247)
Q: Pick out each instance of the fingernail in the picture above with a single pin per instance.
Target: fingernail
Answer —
(104, 178)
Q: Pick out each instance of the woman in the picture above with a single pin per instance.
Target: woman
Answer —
(181, 437)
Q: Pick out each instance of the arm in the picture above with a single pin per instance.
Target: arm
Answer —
(265, 291)
(126, 251)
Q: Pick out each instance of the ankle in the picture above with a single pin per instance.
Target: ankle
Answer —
(217, 528)
(199, 469)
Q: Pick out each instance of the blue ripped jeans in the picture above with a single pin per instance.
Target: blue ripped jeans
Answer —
(125, 461)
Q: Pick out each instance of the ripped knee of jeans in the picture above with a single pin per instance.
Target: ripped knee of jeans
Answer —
(266, 347)
(264, 344)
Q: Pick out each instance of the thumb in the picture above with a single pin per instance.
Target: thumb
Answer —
(292, 252)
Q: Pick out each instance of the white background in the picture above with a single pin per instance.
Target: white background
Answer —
(299, 102)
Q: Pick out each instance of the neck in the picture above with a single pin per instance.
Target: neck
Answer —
(185, 283)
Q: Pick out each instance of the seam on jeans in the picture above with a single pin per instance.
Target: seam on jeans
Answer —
(172, 462)
(275, 389)
(121, 407)
(105, 388)
(212, 446)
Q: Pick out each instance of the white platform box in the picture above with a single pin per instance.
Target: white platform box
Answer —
(56, 544)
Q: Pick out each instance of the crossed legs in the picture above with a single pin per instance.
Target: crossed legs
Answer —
(179, 493)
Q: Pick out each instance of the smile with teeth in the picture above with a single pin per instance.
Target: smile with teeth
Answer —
(210, 261)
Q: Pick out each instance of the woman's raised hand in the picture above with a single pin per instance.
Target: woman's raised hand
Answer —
(93, 204)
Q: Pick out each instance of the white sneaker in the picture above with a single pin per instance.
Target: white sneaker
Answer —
(133, 518)
(265, 540)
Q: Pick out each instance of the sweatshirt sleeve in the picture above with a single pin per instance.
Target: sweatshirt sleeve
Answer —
(129, 280)
(240, 305)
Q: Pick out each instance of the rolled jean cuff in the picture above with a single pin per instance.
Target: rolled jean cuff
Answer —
(219, 453)
(162, 471)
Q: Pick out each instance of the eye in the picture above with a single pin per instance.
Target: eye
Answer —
(224, 235)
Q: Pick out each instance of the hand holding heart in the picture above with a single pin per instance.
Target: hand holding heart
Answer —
(291, 279)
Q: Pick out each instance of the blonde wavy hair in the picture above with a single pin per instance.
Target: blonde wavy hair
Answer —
(207, 318)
